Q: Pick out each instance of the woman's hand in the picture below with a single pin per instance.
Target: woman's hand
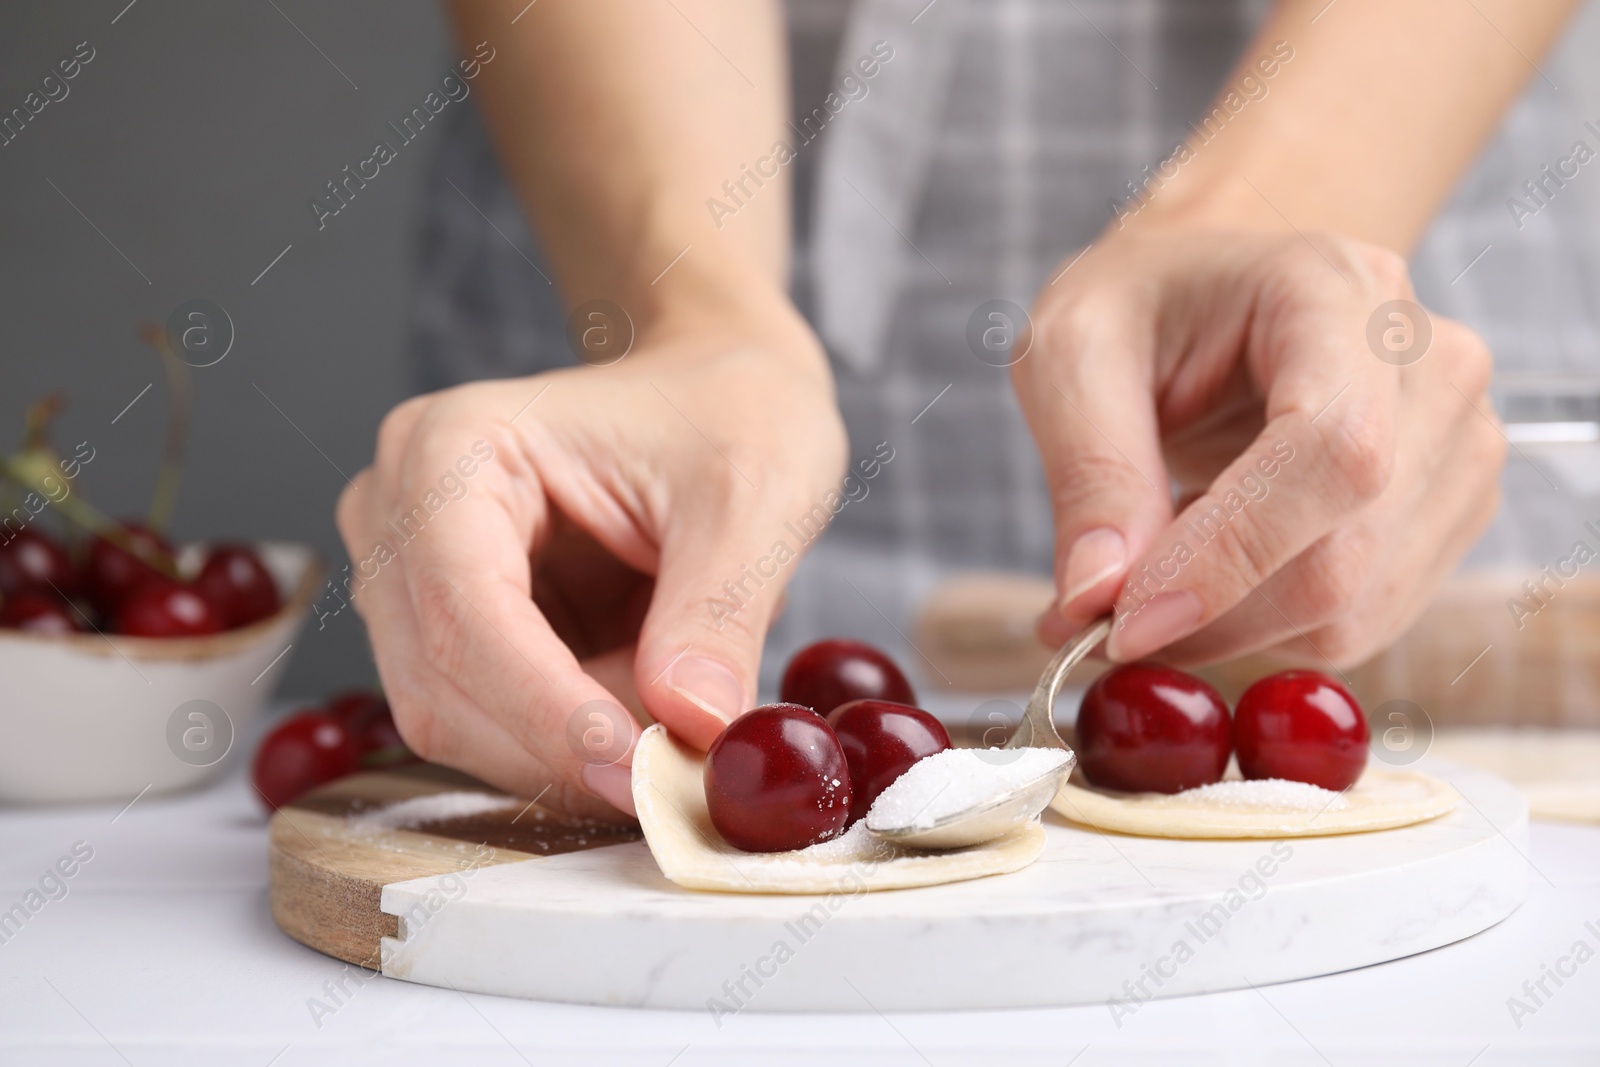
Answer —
(636, 491)
(1323, 491)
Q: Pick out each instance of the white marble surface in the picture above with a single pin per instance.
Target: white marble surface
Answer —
(1099, 919)
(162, 953)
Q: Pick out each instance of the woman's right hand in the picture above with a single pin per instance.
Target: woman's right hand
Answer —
(636, 491)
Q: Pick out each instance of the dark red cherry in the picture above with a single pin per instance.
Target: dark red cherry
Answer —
(111, 573)
(836, 671)
(236, 581)
(1149, 729)
(32, 560)
(304, 751)
(881, 740)
(354, 706)
(161, 607)
(379, 734)
(776, 779)
(367, 716)
(39, 613)
(1302, 726)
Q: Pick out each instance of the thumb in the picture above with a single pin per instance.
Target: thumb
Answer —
(1092, 410)
(720, 579)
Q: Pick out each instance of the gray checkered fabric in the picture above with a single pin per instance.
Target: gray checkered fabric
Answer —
(1050, 108)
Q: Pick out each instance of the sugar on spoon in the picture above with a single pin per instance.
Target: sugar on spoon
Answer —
(999, 813)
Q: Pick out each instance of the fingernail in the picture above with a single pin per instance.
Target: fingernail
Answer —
(1094, 557)
(1051, 629)
(709, 686)
(1160, 621)
(612, 783)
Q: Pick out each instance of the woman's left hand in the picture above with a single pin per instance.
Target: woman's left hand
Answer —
(1323, 490)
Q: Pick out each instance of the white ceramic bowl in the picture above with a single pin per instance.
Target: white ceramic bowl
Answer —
(102, 717)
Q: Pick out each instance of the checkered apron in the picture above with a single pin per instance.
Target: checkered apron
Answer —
(985, 151)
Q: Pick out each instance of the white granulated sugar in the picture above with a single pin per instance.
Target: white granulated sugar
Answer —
(831, 795)
(855, 845)
(435, 808)
(1265, 794)
(956, 779)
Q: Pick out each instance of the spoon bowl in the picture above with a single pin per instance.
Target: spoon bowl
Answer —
(1000, 814)
(985, 822)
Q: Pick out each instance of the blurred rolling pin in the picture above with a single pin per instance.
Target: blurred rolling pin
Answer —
(979, 628)
(1469, 659)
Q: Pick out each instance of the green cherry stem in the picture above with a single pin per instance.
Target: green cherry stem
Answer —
(179, 397)
(37, 470)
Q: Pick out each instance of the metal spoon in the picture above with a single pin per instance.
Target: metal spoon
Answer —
(1001, 814)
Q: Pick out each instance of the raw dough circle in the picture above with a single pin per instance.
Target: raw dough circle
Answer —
(1557, 770)
(1381, 800)
(669, 795)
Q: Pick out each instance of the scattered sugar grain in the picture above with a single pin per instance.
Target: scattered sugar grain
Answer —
(438, 807)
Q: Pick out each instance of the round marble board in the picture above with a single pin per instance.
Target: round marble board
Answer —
(522, 902)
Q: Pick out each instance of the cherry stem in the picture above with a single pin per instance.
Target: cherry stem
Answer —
(36, 470)
(35, 438)
(384, 757)
(179, 392)
(36, 422)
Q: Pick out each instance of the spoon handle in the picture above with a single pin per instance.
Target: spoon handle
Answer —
(1038, 727)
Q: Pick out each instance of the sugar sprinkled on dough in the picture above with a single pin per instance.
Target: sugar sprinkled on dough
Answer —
(434, 808)
(1265, 794)
(852, 846)
(957, 779)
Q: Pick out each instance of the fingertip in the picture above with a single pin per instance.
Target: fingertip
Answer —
(692, 721)
(1095, 558)
(1052, 628)
(1089, 577)
(612, 783)
(1059, 623)
(1153, 625)
(696, 697)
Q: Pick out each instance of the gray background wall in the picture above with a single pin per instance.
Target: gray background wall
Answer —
(193, 142)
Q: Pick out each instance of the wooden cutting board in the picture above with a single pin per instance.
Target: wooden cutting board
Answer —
(519, 901)
(327, 871)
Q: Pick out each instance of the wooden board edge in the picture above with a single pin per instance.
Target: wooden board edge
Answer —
(325, 889)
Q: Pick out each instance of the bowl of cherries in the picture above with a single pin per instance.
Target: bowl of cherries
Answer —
(130, 661)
